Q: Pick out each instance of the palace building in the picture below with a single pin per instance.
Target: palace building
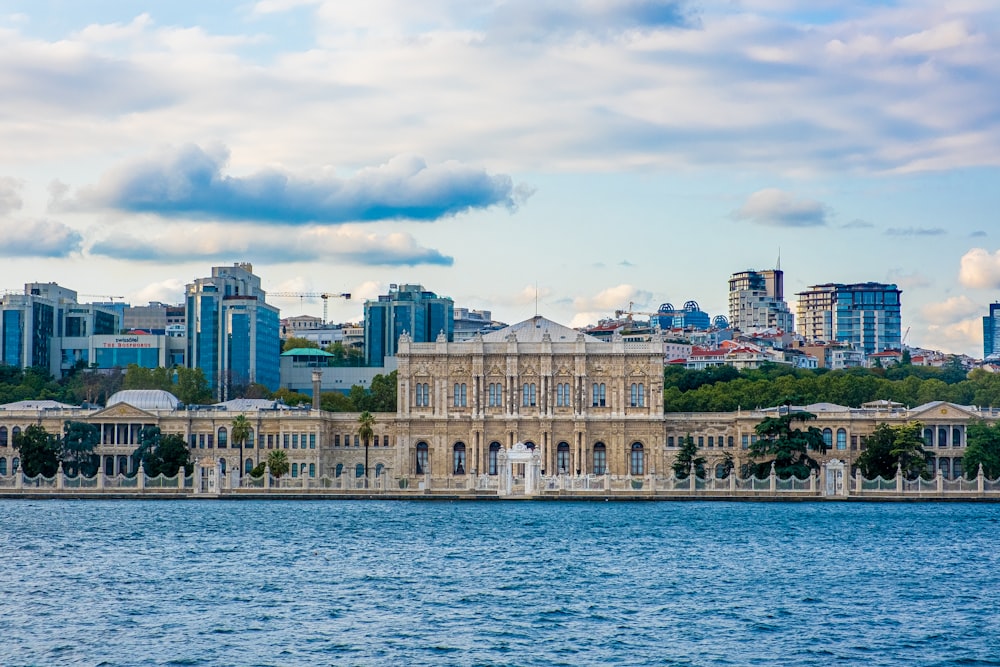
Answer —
(582, 407)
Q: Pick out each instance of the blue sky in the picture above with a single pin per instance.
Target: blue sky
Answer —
(595, 154)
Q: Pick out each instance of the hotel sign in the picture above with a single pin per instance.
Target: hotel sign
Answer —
(129, 342)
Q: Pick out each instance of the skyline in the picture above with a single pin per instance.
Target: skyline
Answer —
(629, 151)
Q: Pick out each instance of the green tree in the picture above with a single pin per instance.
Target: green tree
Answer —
(240, 432)
(78, 443)
(687, 456)
(39, 451)
(297, 343)
(192, 386)
(162, 454)
(982, 448)
(345, 356)
(366, 424)
(889, 447)
(335, 401)
(380, 397)
(277, 461)
(289, 397)
(786, 446)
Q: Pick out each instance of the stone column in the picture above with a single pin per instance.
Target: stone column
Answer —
(899, 478)
(940, 481)
(181, 473)
(140, 477)
(980, 481)
(692, 482)
(100, 478)
(317, 382)
(61, 476)
(812, 481)
(732, 480)
(774, 480)
(267, 476)
(857, 481)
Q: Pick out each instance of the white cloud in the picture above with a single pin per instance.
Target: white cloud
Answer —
(37, 238)
(980, 269)
(781, 209)
(964, 335)
(944, 36)
(170, 290)
(952, 309)
(10, 195)
(619, 297)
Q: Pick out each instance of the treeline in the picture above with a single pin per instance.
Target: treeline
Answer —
(724, 389)
(79, 386)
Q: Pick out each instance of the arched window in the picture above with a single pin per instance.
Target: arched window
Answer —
(123, 465)
(828, 437)
(295, 470)
(422, 467)
(223, 437)
(339, 470)
(359, 470)
(600, 459)
(312, 469)
(637, 462)
(956, 437)
(3, 436)
(841, 439)
(222, 464)
(249, 443)
(494, 454)
(3, 466)
(562, 458)
(15, 464)
(248, 466)
(945, 467)
(458, 459)
(720, 471)
(929, 437)
(14, 432)
(530, 445)
(942, 437)
(378, 470)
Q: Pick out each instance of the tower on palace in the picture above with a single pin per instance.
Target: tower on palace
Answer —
(757, 301)
(232, 334)
(865, 315)
(423, 315)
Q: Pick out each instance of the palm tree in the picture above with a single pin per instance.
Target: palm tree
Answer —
(241, 431)
(366, 422)
(277, 462)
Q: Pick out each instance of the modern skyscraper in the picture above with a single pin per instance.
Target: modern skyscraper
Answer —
(232, 334)
(865, 315)
(47, 328)
(757, 301)
(423, 315)
(991, 331)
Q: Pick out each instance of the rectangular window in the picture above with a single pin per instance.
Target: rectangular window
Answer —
(295, 440)
(270, 441)
(357, 441)
(312, 441)
(746, 442)
(711, 441)
(211, 440)
(670, 441)
(286, 439)
(336, 440)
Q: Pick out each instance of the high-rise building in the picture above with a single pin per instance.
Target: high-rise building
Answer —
(757, 301)
(423, 315)
(232, 334)
(865, 315)
(991, 331)
(47, 328)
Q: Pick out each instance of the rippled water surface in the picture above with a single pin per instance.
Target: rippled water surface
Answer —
(488, 583)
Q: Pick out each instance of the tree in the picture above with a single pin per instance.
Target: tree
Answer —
(162, 454)
(380, 397)
(787, 447)
(78, 443)
(39, 451)
(297, 343)
(982, 448)
(335, 401)
(892, 447)
(687, 456)
(366, 422)
(241, 431)
(277, 461)
(192, 386)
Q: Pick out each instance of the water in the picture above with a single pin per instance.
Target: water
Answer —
(488, 583)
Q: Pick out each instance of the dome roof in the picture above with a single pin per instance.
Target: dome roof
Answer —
(145, 399)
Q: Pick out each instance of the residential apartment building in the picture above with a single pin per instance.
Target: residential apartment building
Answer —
(232, 333)
(757, 301)
(863, 315)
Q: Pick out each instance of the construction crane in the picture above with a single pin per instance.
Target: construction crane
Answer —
(109, 297)
(326, 296)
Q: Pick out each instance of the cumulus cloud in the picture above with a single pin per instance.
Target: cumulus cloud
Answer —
(10, 195)
(778, 208)
(275, 245)
(950, 310)
(170, 290)
(965, 335)
(908, 281)
(915, 231)
(188, 182)
(37, 238)
(980, 268)
(614, 298)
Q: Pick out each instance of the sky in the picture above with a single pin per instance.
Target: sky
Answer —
(519, 156)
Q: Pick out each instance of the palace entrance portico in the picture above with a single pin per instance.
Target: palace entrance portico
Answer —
(519, 455)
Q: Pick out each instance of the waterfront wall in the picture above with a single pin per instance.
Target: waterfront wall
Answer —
(827, 484)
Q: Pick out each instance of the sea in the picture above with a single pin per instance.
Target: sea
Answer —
(328, 582)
